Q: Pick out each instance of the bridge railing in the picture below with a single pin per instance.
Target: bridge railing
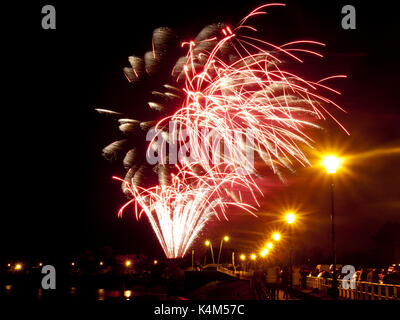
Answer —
(360, 290)
(239, 274)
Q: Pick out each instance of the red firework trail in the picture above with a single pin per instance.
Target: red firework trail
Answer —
(249, 97)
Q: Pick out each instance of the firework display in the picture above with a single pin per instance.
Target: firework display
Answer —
(229, 103)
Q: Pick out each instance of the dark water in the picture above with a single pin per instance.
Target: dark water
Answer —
(83, 293)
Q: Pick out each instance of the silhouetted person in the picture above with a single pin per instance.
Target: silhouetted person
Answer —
(285, 282)
(375, 276)
(271, 281)
(363, 276)
(257, 280)
(370, 274)
(303, 273)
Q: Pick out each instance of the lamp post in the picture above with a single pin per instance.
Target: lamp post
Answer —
(192, 259)
(290, 217)
(331, 164)
(226, 238)
(209, 244)
(253, 258)
(243, 258)
(276, 236)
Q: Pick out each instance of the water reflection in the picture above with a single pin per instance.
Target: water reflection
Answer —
(78, 292)
(8, 288)
(101, 294)
(72, 291)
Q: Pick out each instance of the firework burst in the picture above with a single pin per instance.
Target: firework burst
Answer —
(178, 212)
(235, 92)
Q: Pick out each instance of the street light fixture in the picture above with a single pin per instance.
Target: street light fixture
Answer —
(290, 217)
(331, 164)
(269, 245)
(264, 252)
(253, 256)
(209, 244)
(226, 238)
(242, 257)
(276, 236)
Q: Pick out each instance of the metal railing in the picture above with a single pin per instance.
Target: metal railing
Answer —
(357, 290)
(239, 274)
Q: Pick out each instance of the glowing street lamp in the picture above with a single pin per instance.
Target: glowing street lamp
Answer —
(155, 262)
(226, 238)
(128, 263)
(253, 256)
(264, 252)
(290, 217)
(331, 164)
(276, 236)
(242, 257)
(269, 245)
(209, 244)
(18, 266)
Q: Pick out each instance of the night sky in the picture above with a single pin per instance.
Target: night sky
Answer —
(58, 196)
